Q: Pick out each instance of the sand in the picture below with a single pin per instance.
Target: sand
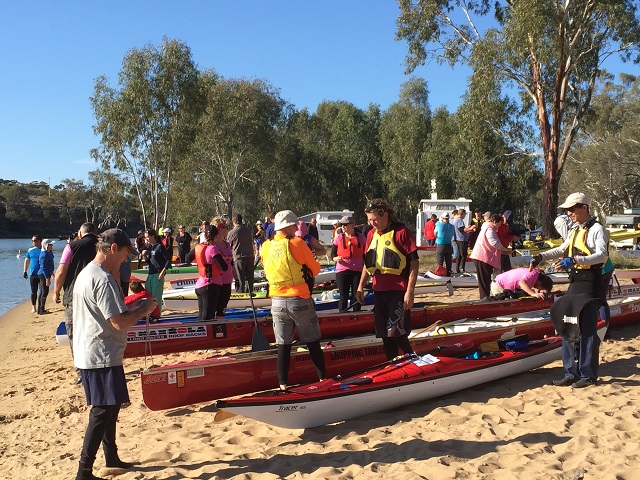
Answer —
(517, 428)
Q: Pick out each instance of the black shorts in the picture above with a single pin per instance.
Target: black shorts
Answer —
(389, 316)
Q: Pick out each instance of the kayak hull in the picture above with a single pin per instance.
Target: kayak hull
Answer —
(334, 400)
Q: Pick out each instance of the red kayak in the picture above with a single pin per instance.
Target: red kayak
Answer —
(408, 379)
(181, 336)
(206, 380)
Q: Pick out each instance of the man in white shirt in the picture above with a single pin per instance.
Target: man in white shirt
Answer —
(100, 323)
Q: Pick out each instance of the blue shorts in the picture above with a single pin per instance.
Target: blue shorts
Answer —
(105, 386)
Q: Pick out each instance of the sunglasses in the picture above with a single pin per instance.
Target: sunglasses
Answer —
(575, 207)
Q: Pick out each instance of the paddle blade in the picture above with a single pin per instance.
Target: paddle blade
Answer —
(222, 415)
(259, 341)
(458, 347)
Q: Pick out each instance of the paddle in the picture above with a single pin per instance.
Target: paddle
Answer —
(349, 307)
(258, 342)
(428, 329)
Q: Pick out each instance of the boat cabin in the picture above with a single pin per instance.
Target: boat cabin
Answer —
(438, 206)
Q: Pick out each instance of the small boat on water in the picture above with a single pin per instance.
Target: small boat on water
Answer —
(408, 379)
(230, 375)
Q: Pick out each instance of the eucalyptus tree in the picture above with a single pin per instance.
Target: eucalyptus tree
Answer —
(145, 125)
(549, 52)
(489, 170)
(16, 202)
(404, 137)
(113, 200)
(235, 139)
(606, 160)
(71, 197)
(342, 155)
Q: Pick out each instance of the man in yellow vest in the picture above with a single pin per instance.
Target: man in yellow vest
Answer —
(391, 257)
(287, 262)
(575, 315)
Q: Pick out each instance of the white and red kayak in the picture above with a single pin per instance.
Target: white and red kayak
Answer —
(408, 379)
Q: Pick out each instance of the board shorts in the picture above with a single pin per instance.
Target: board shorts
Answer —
(389, 316)
(105, 386)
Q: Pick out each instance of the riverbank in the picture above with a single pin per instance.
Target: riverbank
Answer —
(519, 427)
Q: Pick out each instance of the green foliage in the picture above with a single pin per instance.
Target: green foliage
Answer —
(16, 199)
(235, 138)
(146, 125)
(549, 51)
(606, 162)
(404, 135)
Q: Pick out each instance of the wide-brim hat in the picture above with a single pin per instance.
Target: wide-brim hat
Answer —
(284, 219)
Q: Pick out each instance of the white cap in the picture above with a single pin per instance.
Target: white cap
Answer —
(284, 219)
(46, 242)
(575, 199)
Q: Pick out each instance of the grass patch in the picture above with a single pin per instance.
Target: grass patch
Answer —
(624, 262)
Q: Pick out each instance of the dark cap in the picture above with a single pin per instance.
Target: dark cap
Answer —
(119, 237)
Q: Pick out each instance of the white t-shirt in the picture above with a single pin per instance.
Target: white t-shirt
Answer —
(96, 298)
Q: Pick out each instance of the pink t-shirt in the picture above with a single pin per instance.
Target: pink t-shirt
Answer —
(509, 280)
(354, 264)
(66, 254)
(204, 281)
(227, 254)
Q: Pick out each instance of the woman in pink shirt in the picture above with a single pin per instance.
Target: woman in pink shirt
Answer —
(525, 279)
(348, 253)
(223, 248)
(486, 254)
(209, 281)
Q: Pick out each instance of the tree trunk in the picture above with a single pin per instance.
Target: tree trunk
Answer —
(549, 195)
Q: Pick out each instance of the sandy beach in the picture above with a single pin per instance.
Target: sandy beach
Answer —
(517, 428)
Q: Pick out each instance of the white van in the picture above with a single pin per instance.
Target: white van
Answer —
(325, 222)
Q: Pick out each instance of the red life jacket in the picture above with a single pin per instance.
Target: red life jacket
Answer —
(350, 248)
(206, 270)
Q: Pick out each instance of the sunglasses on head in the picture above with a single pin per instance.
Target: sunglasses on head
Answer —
(373, 206)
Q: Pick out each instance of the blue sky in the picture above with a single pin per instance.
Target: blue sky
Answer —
(312, 51)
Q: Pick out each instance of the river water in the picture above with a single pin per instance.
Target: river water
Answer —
(14, 289)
